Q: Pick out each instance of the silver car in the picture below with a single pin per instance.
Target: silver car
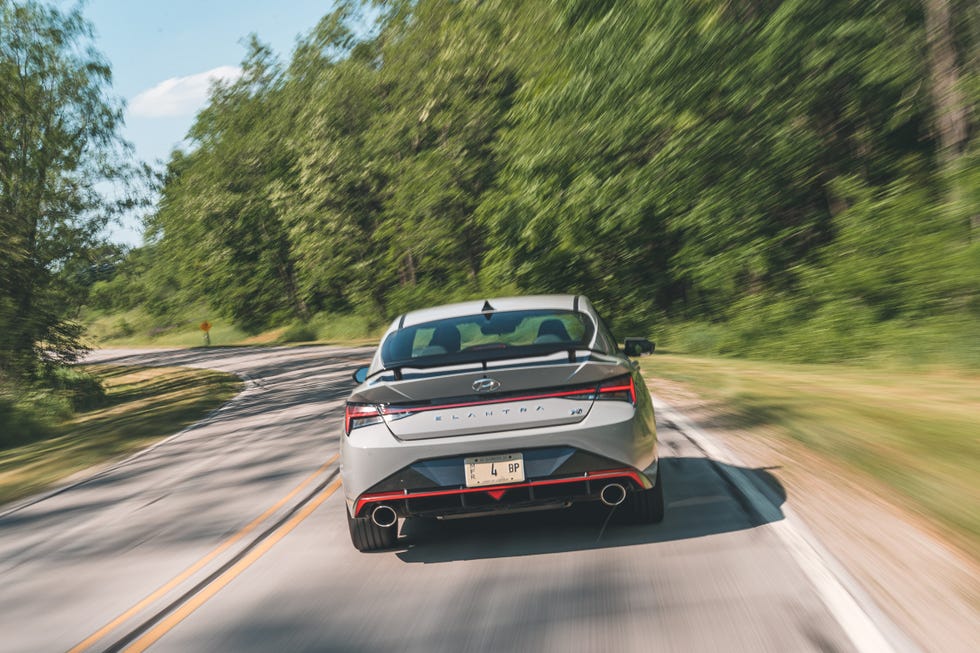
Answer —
(502, 405)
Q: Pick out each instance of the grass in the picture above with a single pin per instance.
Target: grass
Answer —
(137, 328)
(951, 341)
(142, 405)
(918, 431)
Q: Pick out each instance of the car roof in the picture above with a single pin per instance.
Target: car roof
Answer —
(476, 306)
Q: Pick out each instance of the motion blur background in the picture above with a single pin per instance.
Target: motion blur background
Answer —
(791, 179)
(787, 179)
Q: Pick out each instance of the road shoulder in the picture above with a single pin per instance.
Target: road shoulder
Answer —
(918, 581)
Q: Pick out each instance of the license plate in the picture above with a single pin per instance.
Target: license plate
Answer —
(494, 470)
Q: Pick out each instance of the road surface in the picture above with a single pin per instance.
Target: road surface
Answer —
(231, 536)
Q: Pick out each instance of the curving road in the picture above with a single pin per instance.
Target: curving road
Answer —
(230, 536)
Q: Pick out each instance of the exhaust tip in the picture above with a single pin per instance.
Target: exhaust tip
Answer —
(612, 494)
(384, 516)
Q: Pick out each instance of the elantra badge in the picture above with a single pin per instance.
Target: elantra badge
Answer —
(486, 385)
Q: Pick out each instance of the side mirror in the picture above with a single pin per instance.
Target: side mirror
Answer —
(637, 346)
(360, 374)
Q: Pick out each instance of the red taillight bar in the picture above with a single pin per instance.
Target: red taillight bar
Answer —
(626, 387)
(358, 411)
(634, 475)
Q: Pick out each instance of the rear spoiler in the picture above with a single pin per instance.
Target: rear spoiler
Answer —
(481, 357)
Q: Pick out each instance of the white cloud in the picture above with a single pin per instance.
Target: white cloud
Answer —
(180, 96)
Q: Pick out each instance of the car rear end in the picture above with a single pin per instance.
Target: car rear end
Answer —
(532, 408)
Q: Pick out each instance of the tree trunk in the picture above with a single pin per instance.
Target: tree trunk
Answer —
(406, 271)
(410, 263)
(288, 276)
(951, 116)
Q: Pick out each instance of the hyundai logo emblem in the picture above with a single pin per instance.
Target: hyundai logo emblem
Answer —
(486, 385)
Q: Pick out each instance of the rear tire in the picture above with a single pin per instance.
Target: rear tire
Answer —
(646, 506)
(365, 535)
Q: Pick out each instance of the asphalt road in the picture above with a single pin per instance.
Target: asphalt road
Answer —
(231, 536)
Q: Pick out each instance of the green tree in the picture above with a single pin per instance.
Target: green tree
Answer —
(330, 199)
(774, 166)
(217, 227)
(447, 86)
(58, 141)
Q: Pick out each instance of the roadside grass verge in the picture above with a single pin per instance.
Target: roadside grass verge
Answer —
(948, 341)
(918, 432)
(141, 405)
(138, 328)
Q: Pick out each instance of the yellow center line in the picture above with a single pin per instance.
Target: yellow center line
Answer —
(197, 566)
(199, 599)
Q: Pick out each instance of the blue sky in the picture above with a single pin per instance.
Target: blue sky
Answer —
(163, 55)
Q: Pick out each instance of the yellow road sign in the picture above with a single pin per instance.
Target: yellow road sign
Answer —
(205, 326)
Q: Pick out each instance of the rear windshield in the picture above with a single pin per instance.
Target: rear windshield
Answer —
(491, 336)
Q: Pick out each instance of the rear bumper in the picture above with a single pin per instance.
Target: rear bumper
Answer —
(373, 461)
(513, 497)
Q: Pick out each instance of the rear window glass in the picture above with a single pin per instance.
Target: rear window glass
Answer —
(502, 334)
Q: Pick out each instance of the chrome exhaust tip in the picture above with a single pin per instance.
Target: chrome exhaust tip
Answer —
(612, 494)
(384, 516)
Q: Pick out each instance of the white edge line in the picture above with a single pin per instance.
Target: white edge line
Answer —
(840, 592)
(250, 384)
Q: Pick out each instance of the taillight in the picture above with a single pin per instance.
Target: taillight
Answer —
(620, 389)
(358, 415)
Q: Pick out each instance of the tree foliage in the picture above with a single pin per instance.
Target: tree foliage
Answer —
(775, 166)
(58, 142)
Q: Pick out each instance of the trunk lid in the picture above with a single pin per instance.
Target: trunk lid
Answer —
(432, 403)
